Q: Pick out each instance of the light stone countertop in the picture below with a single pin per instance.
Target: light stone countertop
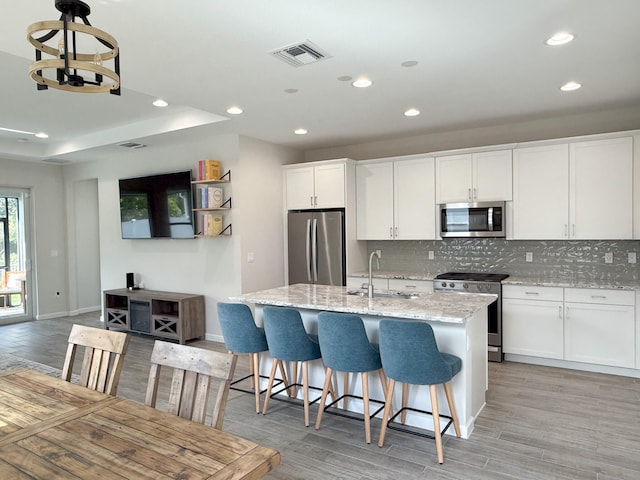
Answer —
(439, 307)
(545, 281)
(537, 280)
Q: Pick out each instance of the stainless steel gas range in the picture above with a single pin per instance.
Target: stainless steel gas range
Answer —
(479, 283)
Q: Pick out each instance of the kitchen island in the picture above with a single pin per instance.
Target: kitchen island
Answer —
(459, 323)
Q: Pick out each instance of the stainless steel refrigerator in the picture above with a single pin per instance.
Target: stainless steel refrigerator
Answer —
(316, 247)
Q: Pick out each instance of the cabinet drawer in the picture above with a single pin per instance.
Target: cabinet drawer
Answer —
(600, 296)
(411, 285)
(532, 292)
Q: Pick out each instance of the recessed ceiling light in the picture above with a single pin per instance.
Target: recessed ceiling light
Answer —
(158, 102)
(560, 38)
(362, 83)
(41, 135)
(412, 112)
(234, 110)
(409, 63)
(300, 131)
(569, 86)
(291, 90)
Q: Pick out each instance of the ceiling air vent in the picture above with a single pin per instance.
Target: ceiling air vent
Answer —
(299, 54)
(133, 145)
(56, 161)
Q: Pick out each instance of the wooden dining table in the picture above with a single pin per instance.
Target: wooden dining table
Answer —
(50, 428)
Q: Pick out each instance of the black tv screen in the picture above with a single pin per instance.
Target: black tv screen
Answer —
(157, 206)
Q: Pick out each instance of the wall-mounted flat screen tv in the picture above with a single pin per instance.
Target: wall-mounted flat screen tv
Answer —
(157, 206)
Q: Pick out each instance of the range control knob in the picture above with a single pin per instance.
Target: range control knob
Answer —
(451, 285)
(465, 286)
(444, 284)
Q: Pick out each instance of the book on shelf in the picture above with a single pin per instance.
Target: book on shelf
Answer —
(209, 197)
(208, 170)
(212, 224)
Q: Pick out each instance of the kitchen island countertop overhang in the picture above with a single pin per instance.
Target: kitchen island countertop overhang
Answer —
(435, 307)
(459, 322)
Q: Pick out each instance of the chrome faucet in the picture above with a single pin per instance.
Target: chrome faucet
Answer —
(377, 254)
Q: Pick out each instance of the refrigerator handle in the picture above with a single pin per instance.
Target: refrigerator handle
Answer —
(314, 250)
(308, 249)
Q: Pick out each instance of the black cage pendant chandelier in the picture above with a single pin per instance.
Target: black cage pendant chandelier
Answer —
(69, 69)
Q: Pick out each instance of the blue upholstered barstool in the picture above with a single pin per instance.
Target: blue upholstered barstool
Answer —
(241, 335)
(288, 341)
(410, 355)
(345, 348)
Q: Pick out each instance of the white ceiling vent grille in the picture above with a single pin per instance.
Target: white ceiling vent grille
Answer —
(299, 54)
(133, 145)
(56, 161)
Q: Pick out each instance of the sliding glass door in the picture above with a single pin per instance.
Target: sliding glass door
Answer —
(15, 284)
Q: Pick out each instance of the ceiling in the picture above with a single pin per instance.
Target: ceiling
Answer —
(479, 63)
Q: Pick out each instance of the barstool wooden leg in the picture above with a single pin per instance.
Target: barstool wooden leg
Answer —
(283, 372)
(387, 411)
(405, 395)
(436, 422)
(345, 377)
(365, 401)
(270, 386)
(294, 392)
(305, 391)
(383, 382)
(452, 408)
(325, 390)
(255, 364)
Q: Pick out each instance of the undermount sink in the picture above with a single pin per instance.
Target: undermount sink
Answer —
(384, 293)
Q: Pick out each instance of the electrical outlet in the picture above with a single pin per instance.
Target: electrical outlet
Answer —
(631, 257)
(251, 257)
(431, 255)
(528, 256)
(608, 257)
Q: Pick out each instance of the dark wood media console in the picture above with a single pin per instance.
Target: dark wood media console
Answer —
(176, 316)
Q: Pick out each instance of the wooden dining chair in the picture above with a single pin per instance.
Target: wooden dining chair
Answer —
(104, 352)
(196, 372)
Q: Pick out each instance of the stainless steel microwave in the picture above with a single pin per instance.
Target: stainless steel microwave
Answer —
(482, 219)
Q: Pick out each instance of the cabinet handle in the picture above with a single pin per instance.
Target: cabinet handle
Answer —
(475, 193)
(573, 227)
(396, 231)
(315, 201)
(560, 312)
(567, 315)
(391, 232)
(311, 200)
(603, 297)
(469, 194)
(566, 230)
(532, 293)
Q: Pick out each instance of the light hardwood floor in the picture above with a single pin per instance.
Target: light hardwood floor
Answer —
(539, 422)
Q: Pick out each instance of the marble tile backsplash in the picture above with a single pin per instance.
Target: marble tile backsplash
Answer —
(555, 260)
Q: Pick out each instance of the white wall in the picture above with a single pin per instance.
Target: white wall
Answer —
(83, 246)
(621, 119)
(48, 256)
(214, 267)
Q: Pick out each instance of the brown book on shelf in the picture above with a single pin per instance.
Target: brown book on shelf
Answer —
(212, 170)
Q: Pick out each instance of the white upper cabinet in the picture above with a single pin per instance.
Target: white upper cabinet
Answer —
(474, 177)
(601, 187)
(396, 200)
(541, 192)
(577, 191)
(321, 186)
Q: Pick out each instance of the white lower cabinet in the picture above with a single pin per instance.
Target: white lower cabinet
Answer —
(533, 321)
(600, 327)
(586, 325)
(398, 284)
(401, 285)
